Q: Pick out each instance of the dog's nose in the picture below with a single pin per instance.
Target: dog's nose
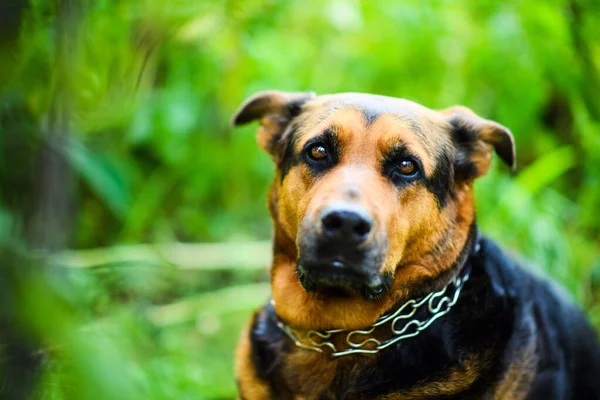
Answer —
(346, 223)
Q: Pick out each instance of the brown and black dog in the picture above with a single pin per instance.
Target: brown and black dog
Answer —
(381, 285)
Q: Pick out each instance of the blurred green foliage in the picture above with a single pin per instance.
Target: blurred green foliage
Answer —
(148, 88)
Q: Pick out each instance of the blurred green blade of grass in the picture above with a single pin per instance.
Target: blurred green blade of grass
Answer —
(208, 256)
(546, 169)
(231, 299)
(105, 180)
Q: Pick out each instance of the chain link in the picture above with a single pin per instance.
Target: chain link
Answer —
(438, 304)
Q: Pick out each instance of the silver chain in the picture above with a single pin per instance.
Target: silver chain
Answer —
(438, 304)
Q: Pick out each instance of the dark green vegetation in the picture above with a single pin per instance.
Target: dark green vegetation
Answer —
(114, 131)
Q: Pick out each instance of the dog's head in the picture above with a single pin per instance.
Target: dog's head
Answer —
(372, 200)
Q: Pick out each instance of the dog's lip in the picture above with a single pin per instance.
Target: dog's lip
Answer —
(335, 278)
(338, 272)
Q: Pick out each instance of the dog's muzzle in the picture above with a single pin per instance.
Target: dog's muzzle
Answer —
(342, 249)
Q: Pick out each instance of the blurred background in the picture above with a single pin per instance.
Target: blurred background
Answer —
(133, 227)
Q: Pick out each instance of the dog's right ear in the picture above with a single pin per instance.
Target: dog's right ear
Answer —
(275, 110)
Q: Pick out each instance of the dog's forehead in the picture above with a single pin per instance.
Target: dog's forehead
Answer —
(372, 106)
(376, 115)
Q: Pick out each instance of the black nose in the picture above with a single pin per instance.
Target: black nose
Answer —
(346, 223)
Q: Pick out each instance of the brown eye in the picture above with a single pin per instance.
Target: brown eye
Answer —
(318, 152)
(407, 167)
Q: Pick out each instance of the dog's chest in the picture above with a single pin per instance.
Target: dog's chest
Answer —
(315, 376)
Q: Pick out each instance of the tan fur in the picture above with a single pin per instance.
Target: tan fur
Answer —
(517, 379)
(456, 380)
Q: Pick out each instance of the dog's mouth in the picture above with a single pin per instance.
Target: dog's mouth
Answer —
(339, 278)
(336, 262)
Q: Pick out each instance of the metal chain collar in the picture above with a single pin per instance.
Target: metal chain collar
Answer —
(438, 304)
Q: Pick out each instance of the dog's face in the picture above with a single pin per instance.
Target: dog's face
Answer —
(372, 197)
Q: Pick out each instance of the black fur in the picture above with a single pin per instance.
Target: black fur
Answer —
(287, 123)
(295, 108)
(502, 308)
(267, 343)
(441, 182)
(288, 142)
(370, 115)
(464, 137)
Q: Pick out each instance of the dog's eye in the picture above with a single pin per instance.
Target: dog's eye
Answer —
(407, 167)
(404, 169)
(317, 152)
(321, 154)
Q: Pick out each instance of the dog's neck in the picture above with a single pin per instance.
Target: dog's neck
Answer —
(404, 320)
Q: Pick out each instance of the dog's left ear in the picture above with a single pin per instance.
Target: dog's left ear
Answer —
(475, 138)
(275, 110)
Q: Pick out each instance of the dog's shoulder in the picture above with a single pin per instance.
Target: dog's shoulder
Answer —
(259, 362)
(566, 350)
(266, 339)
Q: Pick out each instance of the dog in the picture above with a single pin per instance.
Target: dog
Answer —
(382, 286)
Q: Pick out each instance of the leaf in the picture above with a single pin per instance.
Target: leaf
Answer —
(547, 169)
(102, 178)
